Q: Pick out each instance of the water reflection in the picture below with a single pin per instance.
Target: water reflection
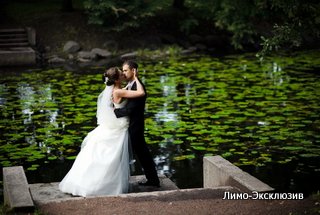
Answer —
(260, 117)
(165, 115)
(26, 95)
(168, 89)
(276, 75)
(3, 91)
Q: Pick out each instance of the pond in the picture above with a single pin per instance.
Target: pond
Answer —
(261, 116)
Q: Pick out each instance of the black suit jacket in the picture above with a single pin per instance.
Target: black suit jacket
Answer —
(135, 110)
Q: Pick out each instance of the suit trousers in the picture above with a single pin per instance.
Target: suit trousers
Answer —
(140, 148)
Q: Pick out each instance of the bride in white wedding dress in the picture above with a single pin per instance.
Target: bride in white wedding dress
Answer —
(102, 165)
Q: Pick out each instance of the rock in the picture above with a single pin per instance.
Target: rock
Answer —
(201, 46)
(85, 55)
(189, 50)
(56, 60)
(129, 55)
(83, 60)
(101, 52)
(71, 47)
(111, 45)
(70, 56)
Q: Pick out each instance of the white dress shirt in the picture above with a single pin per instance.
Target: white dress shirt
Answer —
(129, 85)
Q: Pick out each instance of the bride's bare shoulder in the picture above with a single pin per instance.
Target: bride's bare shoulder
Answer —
(116, 98)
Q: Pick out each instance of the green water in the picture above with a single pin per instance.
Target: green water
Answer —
(261, 116)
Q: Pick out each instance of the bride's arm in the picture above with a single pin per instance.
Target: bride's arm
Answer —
(131, 93)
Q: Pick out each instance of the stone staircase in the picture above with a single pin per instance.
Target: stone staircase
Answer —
(13, 38)
(16, 47)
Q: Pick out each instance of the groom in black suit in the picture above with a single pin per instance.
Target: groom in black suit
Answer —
(135, 110)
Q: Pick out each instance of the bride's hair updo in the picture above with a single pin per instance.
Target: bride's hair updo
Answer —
(111, 75)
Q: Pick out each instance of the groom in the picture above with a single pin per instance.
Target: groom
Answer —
(135, 110)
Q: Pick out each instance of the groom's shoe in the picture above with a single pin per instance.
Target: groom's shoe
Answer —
(148, 183)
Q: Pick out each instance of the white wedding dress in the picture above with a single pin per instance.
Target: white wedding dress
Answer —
(102, 165)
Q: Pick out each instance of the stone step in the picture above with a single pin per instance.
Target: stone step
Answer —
(14, 40)
(9, 31)
(7, 45)
(8, 36)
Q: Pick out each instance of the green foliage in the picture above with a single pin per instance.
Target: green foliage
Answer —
(233, 16)
(299, 24)
(121, 15)
(187, 25)
(273, 23)
(281, 35)
(282, 23)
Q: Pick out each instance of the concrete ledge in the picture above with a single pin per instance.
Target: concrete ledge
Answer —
(49, 192)
(219, 172)
(17, 56)
(16, 189)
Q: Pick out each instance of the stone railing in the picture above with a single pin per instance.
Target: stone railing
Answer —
(219, 172)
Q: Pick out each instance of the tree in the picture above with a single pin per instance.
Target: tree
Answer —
(299, 25)
(274, 23)
(120, 15)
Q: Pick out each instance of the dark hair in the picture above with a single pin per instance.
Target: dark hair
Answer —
(112, 74)
(132, 64)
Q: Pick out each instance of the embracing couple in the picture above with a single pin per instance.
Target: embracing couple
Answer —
(102, 165)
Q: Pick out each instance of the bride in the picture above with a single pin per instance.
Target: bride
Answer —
(102, 165)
